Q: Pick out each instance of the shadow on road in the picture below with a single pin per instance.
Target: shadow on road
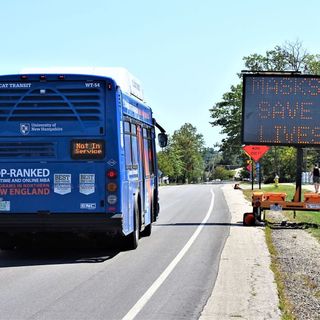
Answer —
(195, 224)
(57, 254)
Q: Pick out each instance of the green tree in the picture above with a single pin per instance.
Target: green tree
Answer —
(289, 57)
(227, 115)
(189, 144)
(313, 64)
(280, 161)
(169, 162)
(211, 158)
(223, 174)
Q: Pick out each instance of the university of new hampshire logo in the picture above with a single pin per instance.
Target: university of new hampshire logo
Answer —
(25, 128)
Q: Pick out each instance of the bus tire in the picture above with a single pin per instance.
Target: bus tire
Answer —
(132, 239)
(156, 206)
(148, 229)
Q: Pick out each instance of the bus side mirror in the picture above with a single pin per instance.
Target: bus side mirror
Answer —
(162, 139)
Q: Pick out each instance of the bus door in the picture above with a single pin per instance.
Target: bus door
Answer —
(148, 172)
(141, 171)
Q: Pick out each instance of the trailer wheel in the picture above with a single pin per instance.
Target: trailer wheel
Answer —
(249, 219)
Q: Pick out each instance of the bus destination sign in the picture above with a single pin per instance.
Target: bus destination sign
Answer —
(87, 149)
(281, 110)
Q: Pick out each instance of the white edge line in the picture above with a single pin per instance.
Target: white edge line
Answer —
(155, 286)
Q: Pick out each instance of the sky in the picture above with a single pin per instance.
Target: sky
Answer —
(185, 53)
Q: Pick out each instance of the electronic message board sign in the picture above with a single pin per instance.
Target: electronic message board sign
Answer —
(281, 109)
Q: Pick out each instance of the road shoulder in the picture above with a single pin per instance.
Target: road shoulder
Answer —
(245, 286)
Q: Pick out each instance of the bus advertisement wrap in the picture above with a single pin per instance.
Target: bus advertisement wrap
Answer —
(49, 187)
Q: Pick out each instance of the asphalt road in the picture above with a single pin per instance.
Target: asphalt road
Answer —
(170, 276)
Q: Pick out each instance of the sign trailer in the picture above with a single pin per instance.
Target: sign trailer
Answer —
(281, 109)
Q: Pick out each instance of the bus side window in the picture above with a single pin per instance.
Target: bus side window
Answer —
(145, 153)
(127, 145)
(150, 153)
(134, 145)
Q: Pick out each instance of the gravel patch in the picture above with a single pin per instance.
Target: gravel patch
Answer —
(299, 262)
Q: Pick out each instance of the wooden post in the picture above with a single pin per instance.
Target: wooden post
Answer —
(297, 196)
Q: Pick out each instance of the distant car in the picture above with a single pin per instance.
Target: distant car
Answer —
(215, 181)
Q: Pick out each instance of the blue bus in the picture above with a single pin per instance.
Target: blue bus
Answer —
(77, 155)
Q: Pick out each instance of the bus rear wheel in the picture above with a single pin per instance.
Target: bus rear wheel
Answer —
(132, 239)
(148, 229)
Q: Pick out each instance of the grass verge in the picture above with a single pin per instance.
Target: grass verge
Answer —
(285, 304)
